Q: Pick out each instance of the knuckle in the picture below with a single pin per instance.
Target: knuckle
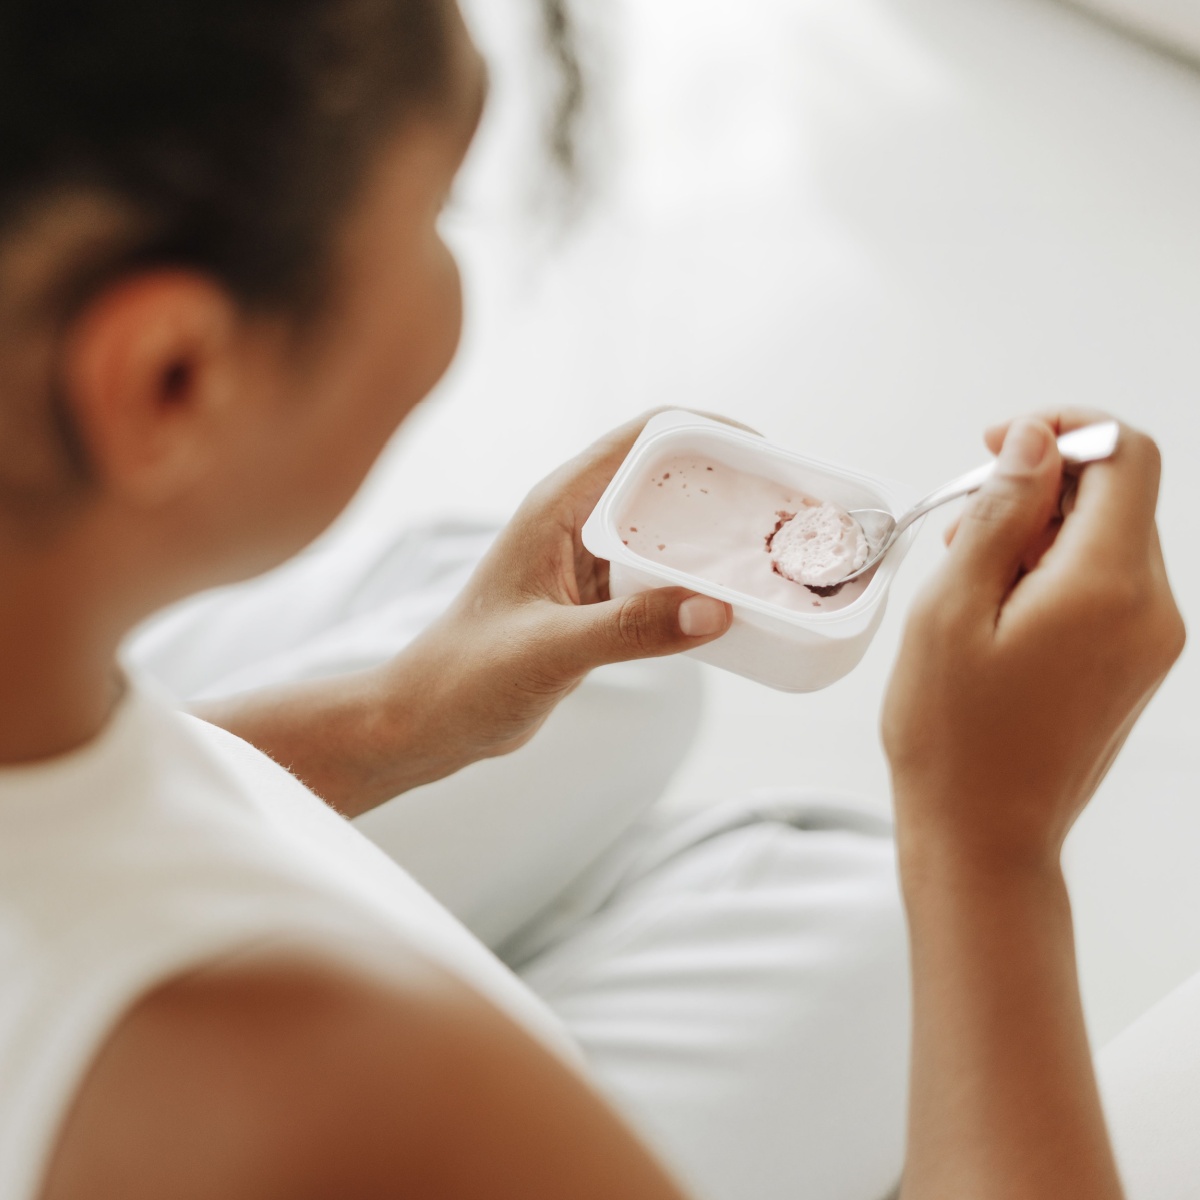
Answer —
(993, 506)
(1179, 635)
(537, 499)
(1075, 416)
(634, 624)
(1131, 616)
(939, 614)
(1169, 636)
(1144, 449)
(1138, 438)
(656, 410)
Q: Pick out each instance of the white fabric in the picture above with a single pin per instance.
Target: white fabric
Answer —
(1150, 1080)
(738, 982)
(163, 844)
(499, 842)
(346, 603)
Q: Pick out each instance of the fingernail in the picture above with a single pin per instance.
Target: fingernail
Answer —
(1025, 447)
(700, 616)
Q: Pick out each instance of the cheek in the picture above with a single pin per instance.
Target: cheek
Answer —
(397, 349)
(404, 348)
(443, 327)
(415, 342)
(387, 356)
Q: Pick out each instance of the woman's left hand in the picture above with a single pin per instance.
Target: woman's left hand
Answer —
(536, 617)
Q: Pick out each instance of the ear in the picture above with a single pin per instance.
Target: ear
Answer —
(150, 372)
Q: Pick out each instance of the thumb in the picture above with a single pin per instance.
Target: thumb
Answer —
(1008, 514)
(644, 625)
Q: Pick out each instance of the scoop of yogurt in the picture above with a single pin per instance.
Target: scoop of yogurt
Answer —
(818, 545)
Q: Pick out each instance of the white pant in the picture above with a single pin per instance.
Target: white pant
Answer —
(736, 977)
(737, 980)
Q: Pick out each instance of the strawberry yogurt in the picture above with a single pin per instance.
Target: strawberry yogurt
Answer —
(744, 532)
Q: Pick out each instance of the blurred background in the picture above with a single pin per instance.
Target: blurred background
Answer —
(868, 228)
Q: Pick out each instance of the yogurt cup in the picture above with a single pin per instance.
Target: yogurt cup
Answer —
(786, 649)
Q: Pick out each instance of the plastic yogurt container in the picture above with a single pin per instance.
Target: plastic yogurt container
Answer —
(798, 646)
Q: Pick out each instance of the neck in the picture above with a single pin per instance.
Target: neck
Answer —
(58, 676)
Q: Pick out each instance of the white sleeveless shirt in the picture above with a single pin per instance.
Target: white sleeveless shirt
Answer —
(164, 844)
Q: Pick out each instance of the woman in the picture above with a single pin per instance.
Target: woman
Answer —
(222, 287)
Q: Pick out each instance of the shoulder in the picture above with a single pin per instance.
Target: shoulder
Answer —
(296, 1077)
(256, 1078)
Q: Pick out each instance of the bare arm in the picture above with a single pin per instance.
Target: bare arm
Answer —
(1019, 679)
(1003, 1096)
(302, 1080)
(535, 618)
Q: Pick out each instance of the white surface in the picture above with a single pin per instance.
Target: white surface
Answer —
(1175, 23)
(1148, 1079)
(869, 229)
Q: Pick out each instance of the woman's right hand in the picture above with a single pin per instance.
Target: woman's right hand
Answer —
(1015, 688)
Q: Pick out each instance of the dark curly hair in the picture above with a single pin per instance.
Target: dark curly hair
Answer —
(227, 135)
(233, 131)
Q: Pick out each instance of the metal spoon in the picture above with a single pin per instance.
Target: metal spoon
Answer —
(1092, 443)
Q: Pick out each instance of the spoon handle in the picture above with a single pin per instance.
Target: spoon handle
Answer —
(1092, 443)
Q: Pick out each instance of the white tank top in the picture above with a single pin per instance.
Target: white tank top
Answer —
(165, 843)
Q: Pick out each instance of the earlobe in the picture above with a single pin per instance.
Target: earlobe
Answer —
(149, 376)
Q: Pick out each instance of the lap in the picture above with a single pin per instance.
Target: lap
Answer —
(737, 980)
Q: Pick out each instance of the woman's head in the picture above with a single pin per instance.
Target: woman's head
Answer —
(220, 273)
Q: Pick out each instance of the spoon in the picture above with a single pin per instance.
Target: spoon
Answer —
(1092, 443)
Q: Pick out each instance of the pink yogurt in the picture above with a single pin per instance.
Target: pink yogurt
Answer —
(712, 521)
